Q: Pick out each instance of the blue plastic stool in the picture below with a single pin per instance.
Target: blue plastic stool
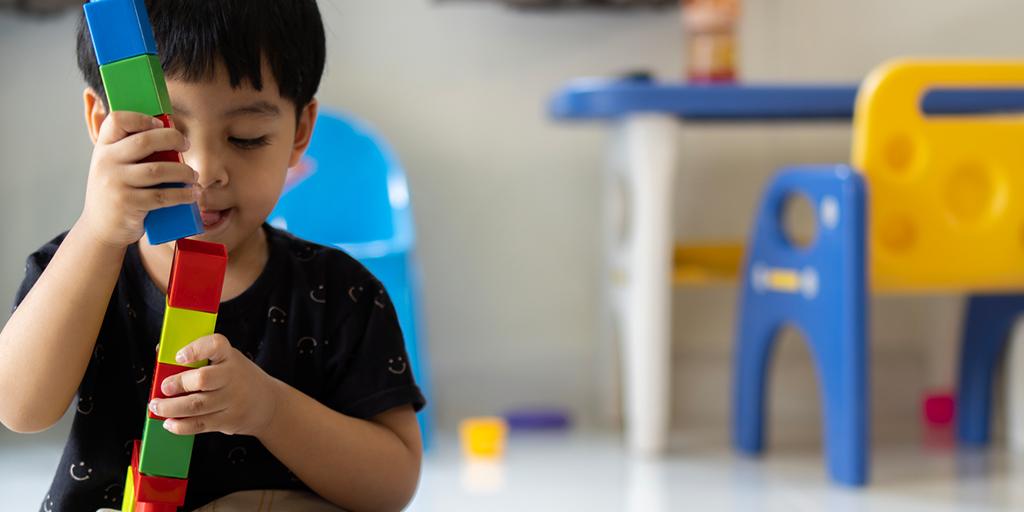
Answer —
(351, 193)
(987, 326)
(820, 290)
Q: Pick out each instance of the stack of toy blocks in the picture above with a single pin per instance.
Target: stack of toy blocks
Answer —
(158, 475)
(133, 79)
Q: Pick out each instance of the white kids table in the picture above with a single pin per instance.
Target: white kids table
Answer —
(643, 163)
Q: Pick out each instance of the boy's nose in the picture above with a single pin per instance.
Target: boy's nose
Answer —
(210, 169)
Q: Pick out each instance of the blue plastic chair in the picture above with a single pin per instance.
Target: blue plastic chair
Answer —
(987, 327)
(350, 192)
(821, 291)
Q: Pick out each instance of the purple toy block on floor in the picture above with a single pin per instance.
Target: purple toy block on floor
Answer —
(537, 419)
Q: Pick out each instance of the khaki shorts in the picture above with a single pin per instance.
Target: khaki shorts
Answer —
(265, 501)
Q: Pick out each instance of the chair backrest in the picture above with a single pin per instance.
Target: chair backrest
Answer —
(946, 192)
(349, 191)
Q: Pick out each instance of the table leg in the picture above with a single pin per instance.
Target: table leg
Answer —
(639, 267)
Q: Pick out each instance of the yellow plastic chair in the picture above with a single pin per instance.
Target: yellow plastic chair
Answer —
(935, 208)
(943, 212)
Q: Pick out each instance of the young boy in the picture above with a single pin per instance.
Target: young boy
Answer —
(299, 393)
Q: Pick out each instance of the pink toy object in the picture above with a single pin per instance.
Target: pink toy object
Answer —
(938, 408)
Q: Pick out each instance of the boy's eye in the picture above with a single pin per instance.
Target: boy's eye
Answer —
(248, 143)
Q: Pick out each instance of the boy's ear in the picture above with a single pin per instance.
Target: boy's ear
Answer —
(95, 112)
(303, 131)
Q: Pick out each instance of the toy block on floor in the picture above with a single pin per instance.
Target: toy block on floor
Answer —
(161, 372)
(483, 437)
(120, 29)
(164, 156)
(181, 327)
(128, 501)
(163, 453)
(197, 276)
(136, 84)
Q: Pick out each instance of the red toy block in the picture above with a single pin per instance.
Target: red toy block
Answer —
(154, 490)
(197, 275)
(160, 490)
(164, 156)
(161, 372)
(154, 507)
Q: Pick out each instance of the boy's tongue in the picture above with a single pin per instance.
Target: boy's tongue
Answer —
(211, 217)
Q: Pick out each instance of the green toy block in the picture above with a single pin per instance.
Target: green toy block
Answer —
(181, 327)
(163, 453)
(136, 84)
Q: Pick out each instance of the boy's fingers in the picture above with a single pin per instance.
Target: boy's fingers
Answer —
(141, 145)
(155, 173)
(188, 406)
(120, 124)
(207, 378)
(215, 347)
(150, 199)
(195, 425)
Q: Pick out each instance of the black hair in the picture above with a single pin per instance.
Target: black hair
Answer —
(192, 36)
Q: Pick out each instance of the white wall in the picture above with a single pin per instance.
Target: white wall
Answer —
(508, 201)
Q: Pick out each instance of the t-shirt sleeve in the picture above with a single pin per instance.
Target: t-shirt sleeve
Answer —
(34, 266)
(371, 372)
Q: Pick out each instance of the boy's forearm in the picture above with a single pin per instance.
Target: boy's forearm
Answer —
(355, 464)
(46, 345)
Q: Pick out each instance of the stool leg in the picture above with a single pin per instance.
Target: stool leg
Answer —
(845, 405)
(753, 354)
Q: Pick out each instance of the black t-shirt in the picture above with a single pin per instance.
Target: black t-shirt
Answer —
(315, 319)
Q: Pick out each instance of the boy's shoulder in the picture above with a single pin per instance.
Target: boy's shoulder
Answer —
(316, 262)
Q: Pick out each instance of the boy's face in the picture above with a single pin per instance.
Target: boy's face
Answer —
(242, 143)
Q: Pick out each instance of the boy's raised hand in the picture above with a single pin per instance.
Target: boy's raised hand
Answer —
(231, 395)
(117, 196)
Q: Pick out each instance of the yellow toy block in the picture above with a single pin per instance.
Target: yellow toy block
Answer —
(181, 327)
(483, 437)
(128, 502)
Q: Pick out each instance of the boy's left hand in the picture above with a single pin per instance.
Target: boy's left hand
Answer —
(231, 395)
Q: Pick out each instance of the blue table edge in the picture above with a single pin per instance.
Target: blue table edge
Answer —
(609, 99)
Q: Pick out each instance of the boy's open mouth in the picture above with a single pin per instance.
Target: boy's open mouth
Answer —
(214, 218)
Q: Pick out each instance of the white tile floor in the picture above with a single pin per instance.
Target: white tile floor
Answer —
(592, 472)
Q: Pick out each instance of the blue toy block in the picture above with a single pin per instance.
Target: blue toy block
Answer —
(174, 222)
(987, 326)
(120, 29)
(820, 290)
